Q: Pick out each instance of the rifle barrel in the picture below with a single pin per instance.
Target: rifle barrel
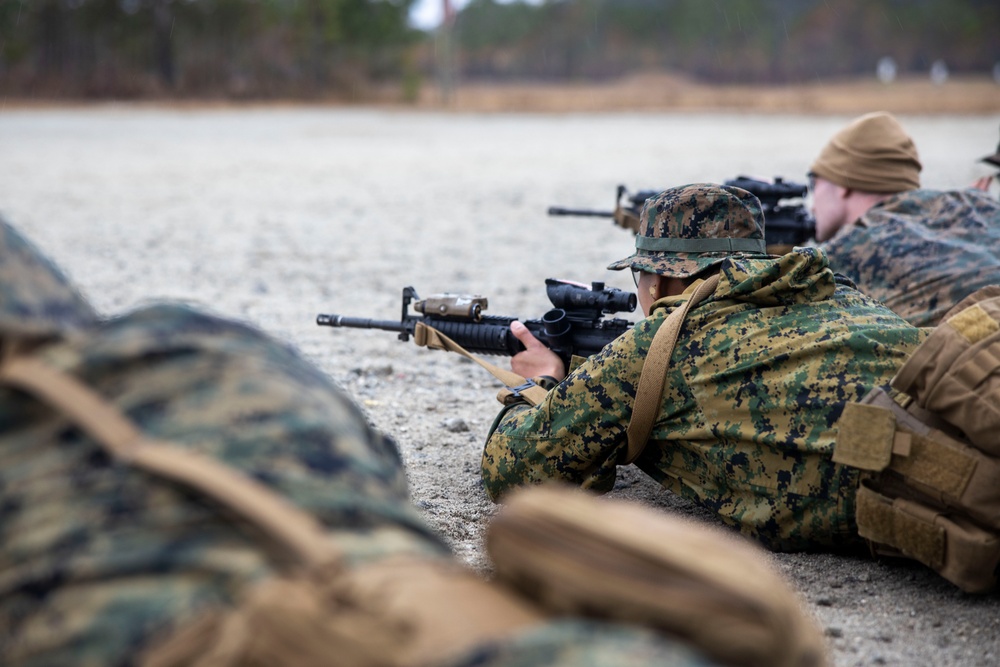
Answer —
(359, 323)
(583, 212)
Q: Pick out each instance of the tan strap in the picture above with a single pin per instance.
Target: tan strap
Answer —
(426, 336)
(940, 463)
(981, 364)
(276, 517)
(654, 371)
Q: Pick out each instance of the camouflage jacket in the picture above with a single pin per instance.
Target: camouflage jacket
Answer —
(759, 376)
(922, 251)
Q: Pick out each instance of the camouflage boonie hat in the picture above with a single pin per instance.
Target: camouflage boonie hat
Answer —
(36, 299)
(685, 230)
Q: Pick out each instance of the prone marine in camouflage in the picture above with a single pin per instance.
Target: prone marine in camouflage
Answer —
(922, 251)
(99, 559)
(918, 251)
(760, 373)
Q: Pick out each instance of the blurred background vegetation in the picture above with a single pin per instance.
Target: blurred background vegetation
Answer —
(366, 50)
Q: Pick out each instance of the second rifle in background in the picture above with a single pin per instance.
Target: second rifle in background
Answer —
(787, 223)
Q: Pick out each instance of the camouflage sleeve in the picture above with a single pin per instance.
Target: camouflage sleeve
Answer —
(922, 251)
(578, 433)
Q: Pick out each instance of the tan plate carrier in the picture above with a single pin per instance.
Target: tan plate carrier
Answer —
(931, 491)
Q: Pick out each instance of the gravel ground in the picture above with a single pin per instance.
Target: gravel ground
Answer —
(272, 215)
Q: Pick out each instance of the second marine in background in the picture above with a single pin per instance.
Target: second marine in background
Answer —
(918, 251)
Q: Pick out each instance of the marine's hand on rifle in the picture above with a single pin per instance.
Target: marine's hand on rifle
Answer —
(536, 358)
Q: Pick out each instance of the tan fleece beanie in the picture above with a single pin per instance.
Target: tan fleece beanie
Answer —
(873, 154)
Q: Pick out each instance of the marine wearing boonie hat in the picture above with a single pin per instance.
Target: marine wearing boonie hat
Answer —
(687, 229)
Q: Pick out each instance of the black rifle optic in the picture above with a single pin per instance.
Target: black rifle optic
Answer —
(787, 223)
(574, 326)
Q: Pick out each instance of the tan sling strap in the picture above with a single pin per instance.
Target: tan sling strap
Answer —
(426, 336)
(654, 371)
(279, 519)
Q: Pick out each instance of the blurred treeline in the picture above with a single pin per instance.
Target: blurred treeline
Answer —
(353, 48)
(725, 41)
(255, 48)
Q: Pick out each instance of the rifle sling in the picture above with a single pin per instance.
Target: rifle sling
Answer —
(426, 336)
(654, 372)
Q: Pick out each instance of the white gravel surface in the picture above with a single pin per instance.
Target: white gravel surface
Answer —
(272, 215)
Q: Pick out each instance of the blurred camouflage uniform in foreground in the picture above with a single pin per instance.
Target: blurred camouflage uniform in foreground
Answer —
(918, 251)
(922, 251)
(760, 373)
(99, 559)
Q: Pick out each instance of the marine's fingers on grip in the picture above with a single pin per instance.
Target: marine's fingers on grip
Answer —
(523, 334)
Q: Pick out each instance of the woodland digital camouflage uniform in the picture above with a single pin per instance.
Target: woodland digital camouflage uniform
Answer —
(97, 559)
(759, 376)
(922, 251)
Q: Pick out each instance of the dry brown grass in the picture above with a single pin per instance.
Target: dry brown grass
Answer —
(649, 92)
(666, 93)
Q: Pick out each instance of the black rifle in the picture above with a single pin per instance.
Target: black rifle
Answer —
(574, 326)
(787, 223)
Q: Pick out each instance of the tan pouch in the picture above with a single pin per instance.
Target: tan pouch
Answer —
(289, 620)
(955, 373)
(879, 436)
(396, 613)
(582, 555)
(954, 547)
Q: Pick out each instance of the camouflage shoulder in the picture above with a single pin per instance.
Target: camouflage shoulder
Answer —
(36, 298)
